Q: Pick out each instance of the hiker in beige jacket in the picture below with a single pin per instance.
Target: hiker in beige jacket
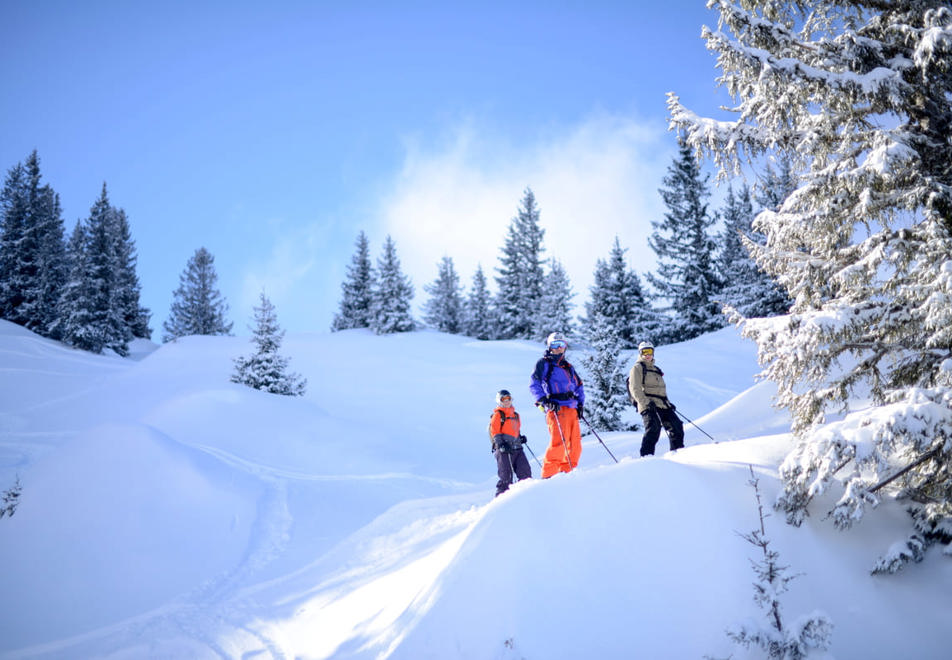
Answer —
(647, 391)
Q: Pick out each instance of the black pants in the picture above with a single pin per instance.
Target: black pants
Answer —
(519, 464)
(654, 419)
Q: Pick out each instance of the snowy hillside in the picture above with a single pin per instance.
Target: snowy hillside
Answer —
(166, 512)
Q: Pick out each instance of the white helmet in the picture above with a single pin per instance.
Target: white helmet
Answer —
(645, 344)
(554, 337)
(500, 394)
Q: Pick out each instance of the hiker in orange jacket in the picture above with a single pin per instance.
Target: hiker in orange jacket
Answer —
(505, 433)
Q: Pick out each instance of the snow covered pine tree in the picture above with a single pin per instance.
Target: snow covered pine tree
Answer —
(859, 96)
(266, 370)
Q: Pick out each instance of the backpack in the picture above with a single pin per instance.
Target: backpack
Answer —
(644, 372)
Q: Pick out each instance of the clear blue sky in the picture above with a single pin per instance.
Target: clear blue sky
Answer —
(272, 133)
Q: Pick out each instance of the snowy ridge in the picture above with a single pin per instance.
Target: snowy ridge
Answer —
(168, 513)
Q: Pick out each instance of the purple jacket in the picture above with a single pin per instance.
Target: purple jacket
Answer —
(555, 378)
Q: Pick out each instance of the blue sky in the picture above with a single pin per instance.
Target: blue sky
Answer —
(272, 133)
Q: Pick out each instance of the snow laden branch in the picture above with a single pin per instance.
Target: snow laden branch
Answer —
(857, 97)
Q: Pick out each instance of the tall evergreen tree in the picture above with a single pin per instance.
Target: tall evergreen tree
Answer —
(134, 315)
(859, 97)
(478, 312)
(392, 295)
(357, 290)
(444, 309)
(265, 369)
(198, 307)
(617, 296)
(103, 277)
(605, 395)
(32, 249)
(521, 272)
(748, 290)
(686, 275)
(75, 325)
(554, 310)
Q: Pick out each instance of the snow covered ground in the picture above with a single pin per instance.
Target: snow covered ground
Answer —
(168, 513)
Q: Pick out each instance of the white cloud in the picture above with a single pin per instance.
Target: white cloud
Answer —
(592, 181)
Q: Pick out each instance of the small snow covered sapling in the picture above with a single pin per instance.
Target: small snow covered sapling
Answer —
(809, 635)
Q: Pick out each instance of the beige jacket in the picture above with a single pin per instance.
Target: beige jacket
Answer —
(653, 389)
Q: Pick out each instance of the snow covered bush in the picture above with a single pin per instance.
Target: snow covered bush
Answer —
(858, 96)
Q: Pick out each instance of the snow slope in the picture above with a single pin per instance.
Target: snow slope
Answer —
(168, 513)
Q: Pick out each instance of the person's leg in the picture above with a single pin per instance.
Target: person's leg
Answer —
(573, 435)
(521, 463)
(555, 457)
(504, 470)
(674, 428)
(652, 431)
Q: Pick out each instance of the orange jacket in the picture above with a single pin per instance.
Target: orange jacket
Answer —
(504, 424)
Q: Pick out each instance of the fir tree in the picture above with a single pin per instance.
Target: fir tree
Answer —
(32, 248)
(134, 315)
(75, 325)
(106, 323)
(748, 290)
(478, 317)
(10, 498)
(606, 398)
(686, 275)
(554, 309)
(778, 639)
(859, 97)
(520, 273)
(357, 290)
(444, 309)
(265, 369)
(617, 296)
(392, 295)
(197, 306)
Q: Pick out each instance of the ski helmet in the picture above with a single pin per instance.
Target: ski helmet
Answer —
(556, 337)
(645, 346)
(502, 394)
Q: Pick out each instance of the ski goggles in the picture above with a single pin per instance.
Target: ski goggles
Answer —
(647, 351)
(505, 398)
(557, 344)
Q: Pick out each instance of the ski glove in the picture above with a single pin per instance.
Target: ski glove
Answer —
(503, 447)
(523, 439)
(579, 408)
(548, 404)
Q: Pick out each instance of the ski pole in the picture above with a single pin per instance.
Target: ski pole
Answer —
(526, 445)
(694, 425)
(592, 429)
(512, 469)
(565, 447)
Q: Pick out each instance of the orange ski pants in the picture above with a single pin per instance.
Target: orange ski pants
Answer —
(562, 457)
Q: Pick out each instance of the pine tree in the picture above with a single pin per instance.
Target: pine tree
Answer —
(32, 249)
(357, 290)
(554, 309)
(747, 290)
(617, 296)
(265, 369)
(859, 97)
(520, 273)
(197, 306)
(75, 325)
(444, 309)
(107, 327)
(686, 275)
(778, 639)
(478, 316)
(605, 396)
(134, 316)
(392, 295)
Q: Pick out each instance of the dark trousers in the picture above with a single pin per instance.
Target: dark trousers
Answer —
(654, 419)
(519, 464)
